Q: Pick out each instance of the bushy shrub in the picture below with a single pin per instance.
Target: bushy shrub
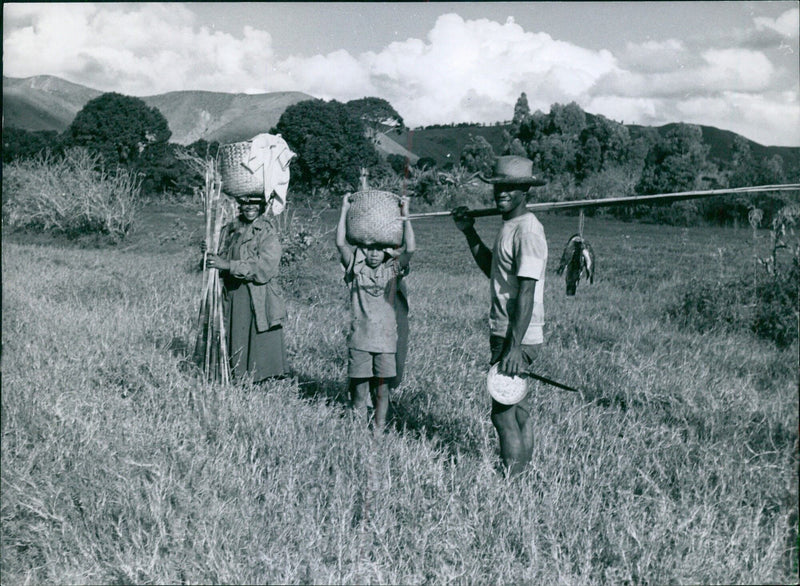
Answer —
(71, 195)
(302, 236)
(768, 308)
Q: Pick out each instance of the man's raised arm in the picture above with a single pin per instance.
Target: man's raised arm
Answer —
(481, 254)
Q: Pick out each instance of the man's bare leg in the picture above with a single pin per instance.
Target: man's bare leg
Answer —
(512, 448)
(525, 422)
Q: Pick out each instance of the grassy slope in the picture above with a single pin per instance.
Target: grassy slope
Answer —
(438, 143)
(680, 464)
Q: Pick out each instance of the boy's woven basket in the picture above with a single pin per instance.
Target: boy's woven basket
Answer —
(374, 218)
(237, 180)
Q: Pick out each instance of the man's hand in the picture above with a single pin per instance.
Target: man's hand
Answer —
(214, 261)
(513, 363)
(346, 201)
(462, 218)
(404, 199)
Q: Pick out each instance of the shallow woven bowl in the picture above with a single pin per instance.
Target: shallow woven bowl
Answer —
(374, 219)
(238, 180)
(508, 390)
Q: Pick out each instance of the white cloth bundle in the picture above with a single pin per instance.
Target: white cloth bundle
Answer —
(271, 154)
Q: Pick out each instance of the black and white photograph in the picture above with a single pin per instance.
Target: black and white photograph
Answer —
(400, 293)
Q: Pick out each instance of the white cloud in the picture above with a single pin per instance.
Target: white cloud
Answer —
(462, 60)
(787, 24)
(655, 56)
(720, 70)
(147, 49)
(464, 70)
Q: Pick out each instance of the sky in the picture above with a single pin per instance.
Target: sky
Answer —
(733, 65)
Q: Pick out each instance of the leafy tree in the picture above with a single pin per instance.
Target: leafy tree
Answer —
(743, 171)
(676, 162)
(330, 143)
(119, 128)
(589, 159)
(567, 120)
(398, 163)
(425, 163)
(478, 155)
(375, 113)
(553, 154)
(534, 127)
(521, 113)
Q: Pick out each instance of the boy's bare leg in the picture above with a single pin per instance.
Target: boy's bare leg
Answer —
(512, 445)
(380, 400)
(359, 394)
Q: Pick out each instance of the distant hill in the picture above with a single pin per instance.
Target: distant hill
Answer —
(43, 102)
(444, 144)
(49, 103)
(721, 143)
(46, 102)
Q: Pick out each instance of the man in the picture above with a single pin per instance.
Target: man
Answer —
(516, 268)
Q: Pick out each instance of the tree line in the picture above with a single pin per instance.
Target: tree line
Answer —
(581, 155)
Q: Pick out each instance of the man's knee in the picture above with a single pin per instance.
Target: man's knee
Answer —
(504, 417)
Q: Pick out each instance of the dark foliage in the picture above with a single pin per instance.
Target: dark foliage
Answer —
(118, 127)
(398, 163)
(478, 155)
(376, 113)
(425, 163)
(330, 143)
(24, 144)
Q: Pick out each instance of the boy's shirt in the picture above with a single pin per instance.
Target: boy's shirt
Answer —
(519, 251)
(373, 295)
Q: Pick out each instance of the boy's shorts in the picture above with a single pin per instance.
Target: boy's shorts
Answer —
(363, 364)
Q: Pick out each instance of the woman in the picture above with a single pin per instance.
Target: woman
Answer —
(249, 259)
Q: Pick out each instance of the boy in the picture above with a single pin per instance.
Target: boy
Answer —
(375, 275)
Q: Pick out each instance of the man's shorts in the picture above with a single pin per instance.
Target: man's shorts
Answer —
(498, 344)
(362, 364)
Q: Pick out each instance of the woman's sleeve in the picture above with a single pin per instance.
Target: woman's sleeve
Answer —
(265, 266)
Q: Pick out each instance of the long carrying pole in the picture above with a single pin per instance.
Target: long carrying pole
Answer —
(615, 201)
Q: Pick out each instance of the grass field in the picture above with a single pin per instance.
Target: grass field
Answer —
(678, 464)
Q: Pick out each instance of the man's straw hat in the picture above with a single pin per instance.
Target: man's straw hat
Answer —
(512, 170)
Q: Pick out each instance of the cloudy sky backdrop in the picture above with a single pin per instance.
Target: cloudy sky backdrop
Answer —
(733, 65)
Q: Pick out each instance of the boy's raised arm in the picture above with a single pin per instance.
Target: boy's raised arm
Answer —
(409, 243)
(345, 250)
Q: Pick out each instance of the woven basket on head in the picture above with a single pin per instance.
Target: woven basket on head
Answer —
(238, 180)
(374, 218)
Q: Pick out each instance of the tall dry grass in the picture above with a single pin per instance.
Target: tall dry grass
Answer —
(677, 465)
(71, 195)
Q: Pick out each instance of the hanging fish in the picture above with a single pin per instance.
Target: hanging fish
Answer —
(578, 260)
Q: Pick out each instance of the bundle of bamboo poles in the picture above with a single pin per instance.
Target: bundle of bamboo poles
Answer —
(211, 346)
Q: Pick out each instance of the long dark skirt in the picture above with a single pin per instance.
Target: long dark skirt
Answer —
(257, 354)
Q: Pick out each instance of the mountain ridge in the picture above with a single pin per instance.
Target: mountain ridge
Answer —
(47, 102)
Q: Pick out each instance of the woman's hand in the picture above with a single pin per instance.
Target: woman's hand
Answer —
(346, 201)
(214, 261)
